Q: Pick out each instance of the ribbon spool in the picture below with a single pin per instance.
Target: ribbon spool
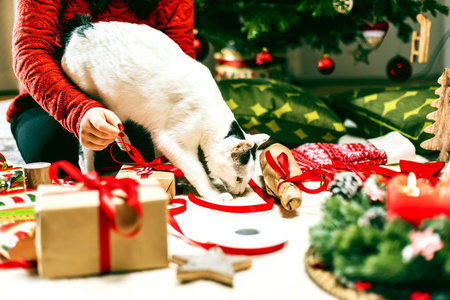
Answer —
(237, 240)
(253, 239)
(35, 174)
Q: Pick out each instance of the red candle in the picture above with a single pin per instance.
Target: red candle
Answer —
(415, 203)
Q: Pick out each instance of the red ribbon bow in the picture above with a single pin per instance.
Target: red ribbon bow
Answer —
(282, 168)
(107, 210)
(146, 167)
(428, 171)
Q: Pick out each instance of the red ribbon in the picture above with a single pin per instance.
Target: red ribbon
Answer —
(158, 164)
(146, 167)
(26, 264)
(229, 250)
(107, 210)
(430, 170)
(282, 168)
(267, 205)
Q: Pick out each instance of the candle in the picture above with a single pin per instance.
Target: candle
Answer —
(416, 200)
(411, 188)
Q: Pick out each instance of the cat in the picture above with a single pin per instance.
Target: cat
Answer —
(142, 75)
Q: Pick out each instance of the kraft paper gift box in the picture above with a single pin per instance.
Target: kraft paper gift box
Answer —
(67, 231)
(166, 179)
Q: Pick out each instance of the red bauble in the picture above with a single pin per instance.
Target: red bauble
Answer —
(201, 47)
(325, 65)
(264, 58)
(398, 68)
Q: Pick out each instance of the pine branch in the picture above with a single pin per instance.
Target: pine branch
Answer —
(280, 24)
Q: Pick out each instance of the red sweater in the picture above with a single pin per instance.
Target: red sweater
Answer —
(37, 32)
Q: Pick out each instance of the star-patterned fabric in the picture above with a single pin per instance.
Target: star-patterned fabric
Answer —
(289, 114)
(380, 110)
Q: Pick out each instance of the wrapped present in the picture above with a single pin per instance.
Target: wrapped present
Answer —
(166, 179)
(276, 184)
(17, 231)
(100, 227)
(11, 183)
(17, 240)
(17, 214)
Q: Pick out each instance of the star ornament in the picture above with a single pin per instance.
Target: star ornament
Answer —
(213, 265)
(361, 55)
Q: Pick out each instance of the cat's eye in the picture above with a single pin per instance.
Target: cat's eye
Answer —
(238, 179)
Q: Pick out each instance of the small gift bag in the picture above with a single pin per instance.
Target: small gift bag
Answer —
(103, 225)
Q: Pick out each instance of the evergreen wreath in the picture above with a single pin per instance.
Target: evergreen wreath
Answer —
(396, 260)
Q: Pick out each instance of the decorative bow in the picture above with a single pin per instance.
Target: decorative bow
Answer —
(282, 168)
(430, 170)
(146, 167)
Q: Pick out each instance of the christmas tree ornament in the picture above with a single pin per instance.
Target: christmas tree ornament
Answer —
(398, 68)
(361, 54)
(440, 129)
(374, 33)
(420, 43)
(201, 46)
(264, 58)
(343, 6)
(325, 65)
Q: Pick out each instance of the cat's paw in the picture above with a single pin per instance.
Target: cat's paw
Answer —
(224, 197)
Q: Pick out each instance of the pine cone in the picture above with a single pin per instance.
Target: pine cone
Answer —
(346, 184)
(375, 216)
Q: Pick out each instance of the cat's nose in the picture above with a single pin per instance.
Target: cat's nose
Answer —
(241, 190)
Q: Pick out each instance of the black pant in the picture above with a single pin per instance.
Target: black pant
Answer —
(40, 138)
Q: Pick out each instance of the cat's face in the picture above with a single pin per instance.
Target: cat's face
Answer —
(234, 164)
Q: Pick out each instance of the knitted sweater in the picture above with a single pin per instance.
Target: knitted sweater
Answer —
(37, 35)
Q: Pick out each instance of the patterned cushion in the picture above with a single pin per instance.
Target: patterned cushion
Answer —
(377, 111)
(287, 113)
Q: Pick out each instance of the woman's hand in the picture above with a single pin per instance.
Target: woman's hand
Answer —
(99, 127)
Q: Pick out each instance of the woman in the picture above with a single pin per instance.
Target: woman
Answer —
(49, 113)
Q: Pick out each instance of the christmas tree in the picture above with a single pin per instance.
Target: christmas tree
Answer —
(323, 24)
(440, 128)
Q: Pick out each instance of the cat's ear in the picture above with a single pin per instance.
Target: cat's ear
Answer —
(241, 149)
(258, 139)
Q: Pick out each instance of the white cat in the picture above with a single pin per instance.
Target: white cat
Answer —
(142, 75)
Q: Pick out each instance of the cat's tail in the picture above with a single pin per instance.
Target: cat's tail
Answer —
(78, 21)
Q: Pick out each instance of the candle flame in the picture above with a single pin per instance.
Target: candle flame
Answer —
(412, 181)
(412, 185)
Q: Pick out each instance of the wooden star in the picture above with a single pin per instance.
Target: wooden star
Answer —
(360, 54)
(213, 265)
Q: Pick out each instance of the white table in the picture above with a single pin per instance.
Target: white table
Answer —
(278, 275)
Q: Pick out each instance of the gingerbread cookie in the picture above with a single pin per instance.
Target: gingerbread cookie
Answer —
(213, 265)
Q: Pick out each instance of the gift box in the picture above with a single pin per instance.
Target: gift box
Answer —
(17, 240)
(14, 194)
(166, 179)
(72, 239)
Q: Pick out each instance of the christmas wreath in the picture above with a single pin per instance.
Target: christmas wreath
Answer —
(365, 250)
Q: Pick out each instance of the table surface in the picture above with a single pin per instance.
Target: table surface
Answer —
(277, 275)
